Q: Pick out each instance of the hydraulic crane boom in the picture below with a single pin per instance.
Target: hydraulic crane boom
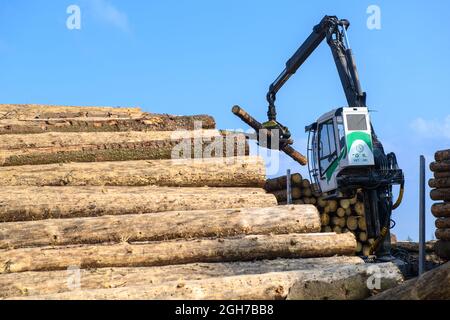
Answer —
(334, 31)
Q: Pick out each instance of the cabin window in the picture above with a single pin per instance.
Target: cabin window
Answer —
(327, 145)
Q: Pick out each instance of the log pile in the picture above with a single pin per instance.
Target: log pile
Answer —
(432, 285)
(95, 204)
(338, 216)
(440, 184)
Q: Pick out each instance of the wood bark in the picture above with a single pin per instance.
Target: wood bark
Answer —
(253, 123)
(439, 183)
(279, 183)
(442, 223)
(32, 283)
(35, 111)
(441, 210)
(37, 203)
(149, 122)
(443, 234)
(213, 172)
(244, 248)
(281, 195)
(439, 175)
(432, 285)
(160, 226)
(440, 194)
(442, 166)
(413, 246)
(442, 155)
(56, 147)
(344, 282)
(442, 249)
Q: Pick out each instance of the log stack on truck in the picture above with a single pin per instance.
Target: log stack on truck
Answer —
(116, 203)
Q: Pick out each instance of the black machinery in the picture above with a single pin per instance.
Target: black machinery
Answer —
(343, 150)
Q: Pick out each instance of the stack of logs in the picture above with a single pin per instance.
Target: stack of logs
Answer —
(94, 206)
(346, 215)
(441, 192)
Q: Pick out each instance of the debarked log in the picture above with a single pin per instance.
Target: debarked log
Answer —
(213, 172)
(37, 203)
(160, 226)
(243, 248)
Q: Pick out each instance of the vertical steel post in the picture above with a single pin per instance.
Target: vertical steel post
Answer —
(288, 187)
(422, 216)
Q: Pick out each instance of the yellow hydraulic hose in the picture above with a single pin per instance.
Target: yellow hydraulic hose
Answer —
(400, 197)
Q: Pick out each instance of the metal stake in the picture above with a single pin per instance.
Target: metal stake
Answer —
(288, 187)
(422, 217)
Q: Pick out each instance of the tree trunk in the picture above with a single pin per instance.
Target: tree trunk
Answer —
(442, 249)
(35, 111)
(280, 182)
(37, 203)
(439, 175)
(362, 236)
(56, 147)
(362, 224)
(340, 212)
(432, 285)
(160, 226)
(352, 223)
(441, 210)
(281, 195)
(443, 223)
(442, 166)
(440, 194)
(150, 122)
(442, 155)
(245, 248)
(213, 172)
(324, 219)
(414, 246)
(439, 183)
(33, 283)
(443, 234)
(359, 208)
(336, 221)
(327, 283)
(345, 203)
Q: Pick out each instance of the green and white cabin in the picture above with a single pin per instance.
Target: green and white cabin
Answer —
(339, 140)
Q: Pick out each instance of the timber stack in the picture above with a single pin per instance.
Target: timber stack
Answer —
(343, 216)
(116, 203)
(440, 184)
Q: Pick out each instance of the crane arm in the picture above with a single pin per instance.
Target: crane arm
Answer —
(334, 31)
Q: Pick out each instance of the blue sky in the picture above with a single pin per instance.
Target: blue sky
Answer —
(198, 56)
